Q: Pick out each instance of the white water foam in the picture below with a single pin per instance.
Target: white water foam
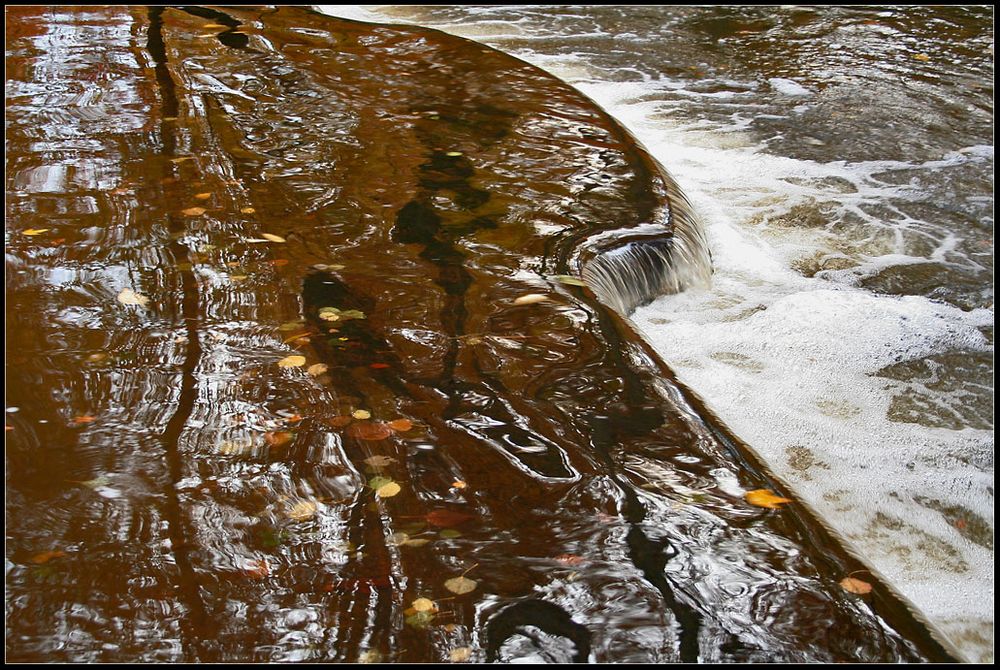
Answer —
(787, 361)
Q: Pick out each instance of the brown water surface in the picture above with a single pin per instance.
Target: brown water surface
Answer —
(197, 197)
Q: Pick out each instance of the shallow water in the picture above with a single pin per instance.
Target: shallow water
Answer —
(272, 394)
(842, 161)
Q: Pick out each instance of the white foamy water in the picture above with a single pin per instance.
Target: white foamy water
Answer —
(803, 345)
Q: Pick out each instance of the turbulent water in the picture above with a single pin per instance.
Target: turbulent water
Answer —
(842, 160)
(313, 350)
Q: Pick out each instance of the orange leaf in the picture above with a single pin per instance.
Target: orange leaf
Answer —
(570, 559)
(257, 569)
(765, 498)
(856, 585)
(278, 262)
(339, 421)
(84, 419)
(193, 211)
(379, 366)
(401, 425)
(458, 484)
(47, 556)
(202, 196)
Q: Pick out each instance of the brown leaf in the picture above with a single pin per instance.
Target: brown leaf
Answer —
(317, 369)
(193, 211)
(765, 498)
(278, 438)
(570, 559)
(443, 518)
(369, 430)
(461, 585)
(379, 461)
(292, 362)
(339, 421)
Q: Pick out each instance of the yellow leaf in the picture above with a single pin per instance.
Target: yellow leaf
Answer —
(361, 414)
(292, 361)
(193, 211)
(248, 210)
(453, 153)
(856, 585)
(921, 57)
(202, 196)
(416, 542)
(302, 510)
(317, 369)
(460, 655)
(458, 484)
(389, 490)
(424, 605)
(370, 656)
(181, 159)
(35, 231)
(530, 299)
(765, 498)
(273, 238)
(213, 26)
(130, 297)
(379, 461)
(461, 585)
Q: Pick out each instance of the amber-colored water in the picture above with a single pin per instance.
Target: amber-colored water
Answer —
(374, 200)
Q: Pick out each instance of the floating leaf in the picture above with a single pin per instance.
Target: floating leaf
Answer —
(857, 586)
(530, 299)
(97, 482)
(416, 542)
(361, 414)
(35, 231)
(379, 366)
(47, 556)
(130, 297)
(443, 518)
(420, 619)
(272, 238)
(388, 490)
(921, 57)
(292, 362)
(301, 511)
(235, 447)
(379, 461)
(317, 369)
(202, 196)
(460, 655)
(257, 569)
(329, 316)
(453, 153)
(278, 262)
(401, 425)
(449, 534)
(180, 159)
(378, 482)
(458, 484)
(461, 585)
(213, 26)
(278, 438)
(291, 325)
(193, 211)
(248, 210)
(765, 498)
(78, 420)
(424, 605)
(569, 279)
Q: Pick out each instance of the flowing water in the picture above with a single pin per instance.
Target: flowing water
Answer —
(300, 366)
(842, 160)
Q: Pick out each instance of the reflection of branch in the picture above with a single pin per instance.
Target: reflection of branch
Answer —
(193, 625)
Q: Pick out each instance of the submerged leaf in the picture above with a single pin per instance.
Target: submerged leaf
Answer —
(460, 655)
(193, 211)
(461, 585)
(301, 511)
(401, 425)
(47, 556)
(378, 461)
(569, 279)
(443, 518)
(278, 438)
(857, 586)
(388, 490)
(530, 299)
(361, 414)
(130, 297)
(317, 369)
(34, 231)
(272, 238)
(424, 605)
(765, 498)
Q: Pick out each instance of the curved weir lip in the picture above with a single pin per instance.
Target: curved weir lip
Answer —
(386, 382)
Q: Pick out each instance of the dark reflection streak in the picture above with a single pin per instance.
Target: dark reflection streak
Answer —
(196, 623)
